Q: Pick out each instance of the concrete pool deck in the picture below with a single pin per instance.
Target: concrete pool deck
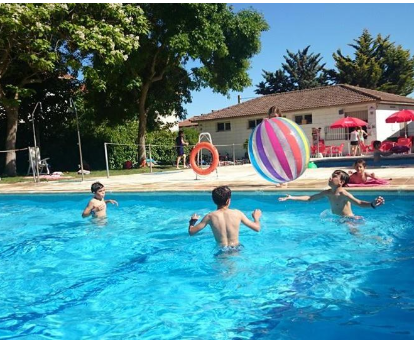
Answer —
(239, 178)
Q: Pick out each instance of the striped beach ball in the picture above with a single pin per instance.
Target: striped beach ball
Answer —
(279, 150)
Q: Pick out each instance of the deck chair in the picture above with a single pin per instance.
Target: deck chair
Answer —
(405, 142)
(42, 163)
(337, 150)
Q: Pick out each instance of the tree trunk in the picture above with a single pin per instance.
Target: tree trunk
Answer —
(12, 114)
(142, 126)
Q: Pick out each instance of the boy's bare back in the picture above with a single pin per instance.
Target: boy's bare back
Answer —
(224, 222)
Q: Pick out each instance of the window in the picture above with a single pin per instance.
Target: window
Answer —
(253, 123)
(223, 126)
(303, 119)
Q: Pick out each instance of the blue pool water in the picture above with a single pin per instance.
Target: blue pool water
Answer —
(140, 276)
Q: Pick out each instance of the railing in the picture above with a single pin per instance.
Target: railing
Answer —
(225, 157)
(336, 134)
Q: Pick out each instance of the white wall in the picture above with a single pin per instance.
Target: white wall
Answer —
(224, 140)
(385, 130)
(325, 117)
(377, 128)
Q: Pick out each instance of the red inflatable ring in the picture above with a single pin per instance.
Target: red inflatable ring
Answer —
(214, 163)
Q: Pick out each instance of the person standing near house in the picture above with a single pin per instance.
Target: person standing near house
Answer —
(361, 139)
(316, 136)
(179, 144)
(354, 139)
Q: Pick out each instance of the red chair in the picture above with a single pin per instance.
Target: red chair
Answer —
(337, 150)
(405, 142)
(327, 150)
(386, 146)
(314, 151)
(322, 149)
(366, 148)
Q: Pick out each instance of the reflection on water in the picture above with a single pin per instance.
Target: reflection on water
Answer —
(138, 273)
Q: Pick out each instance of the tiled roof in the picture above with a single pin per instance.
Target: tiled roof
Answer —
(187, 123)
(327, 96)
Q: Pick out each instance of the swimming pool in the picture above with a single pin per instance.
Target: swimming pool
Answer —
(140, 276)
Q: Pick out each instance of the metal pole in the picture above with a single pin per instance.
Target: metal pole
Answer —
(35, 169)
(32, 165)
(150, 157)
(72, 105)
(317, 141)
(106, 161)
(234, 156)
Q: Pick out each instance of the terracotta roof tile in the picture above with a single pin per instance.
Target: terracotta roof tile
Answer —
(187, 123)
(336, 95)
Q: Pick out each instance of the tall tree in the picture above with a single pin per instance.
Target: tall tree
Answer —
(378, 64)
(301, 70)
(36, 40)
(217, 42)
(275, 82)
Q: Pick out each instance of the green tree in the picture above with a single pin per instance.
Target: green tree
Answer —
(38, 41)
(364, 70)
(275, 82)
(301, 70)
(378, 64)
(189, 46)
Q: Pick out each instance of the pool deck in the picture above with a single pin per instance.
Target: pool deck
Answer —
(238, 177)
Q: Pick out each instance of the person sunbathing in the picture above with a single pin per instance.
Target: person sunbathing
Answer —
(361, 177)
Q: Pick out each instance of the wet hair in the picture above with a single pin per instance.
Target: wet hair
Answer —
(360, 161)
(343, 176)
(181, 132)
(376, 144)
(96, 186)
(221, 195)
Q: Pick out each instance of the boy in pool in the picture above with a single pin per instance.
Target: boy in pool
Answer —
(338, 197)
(378, 154)
(97, 205)
(225, 222)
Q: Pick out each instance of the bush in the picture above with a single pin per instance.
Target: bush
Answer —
(125, 133)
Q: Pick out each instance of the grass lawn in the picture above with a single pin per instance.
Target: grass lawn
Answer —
(96, 173)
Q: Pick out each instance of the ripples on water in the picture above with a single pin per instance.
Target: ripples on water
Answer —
(141, 276)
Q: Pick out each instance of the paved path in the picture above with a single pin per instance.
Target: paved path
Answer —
(239, 177)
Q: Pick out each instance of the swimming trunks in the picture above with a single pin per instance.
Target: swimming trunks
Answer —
(229, 249)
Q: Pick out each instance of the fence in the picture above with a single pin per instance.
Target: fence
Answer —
(227, 154)
(22, 160)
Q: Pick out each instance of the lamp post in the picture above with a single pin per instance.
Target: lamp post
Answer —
(72, 108)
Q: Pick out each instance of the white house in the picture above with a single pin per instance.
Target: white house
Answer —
(312, 108)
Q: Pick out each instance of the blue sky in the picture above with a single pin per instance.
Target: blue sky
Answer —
(326, 27)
